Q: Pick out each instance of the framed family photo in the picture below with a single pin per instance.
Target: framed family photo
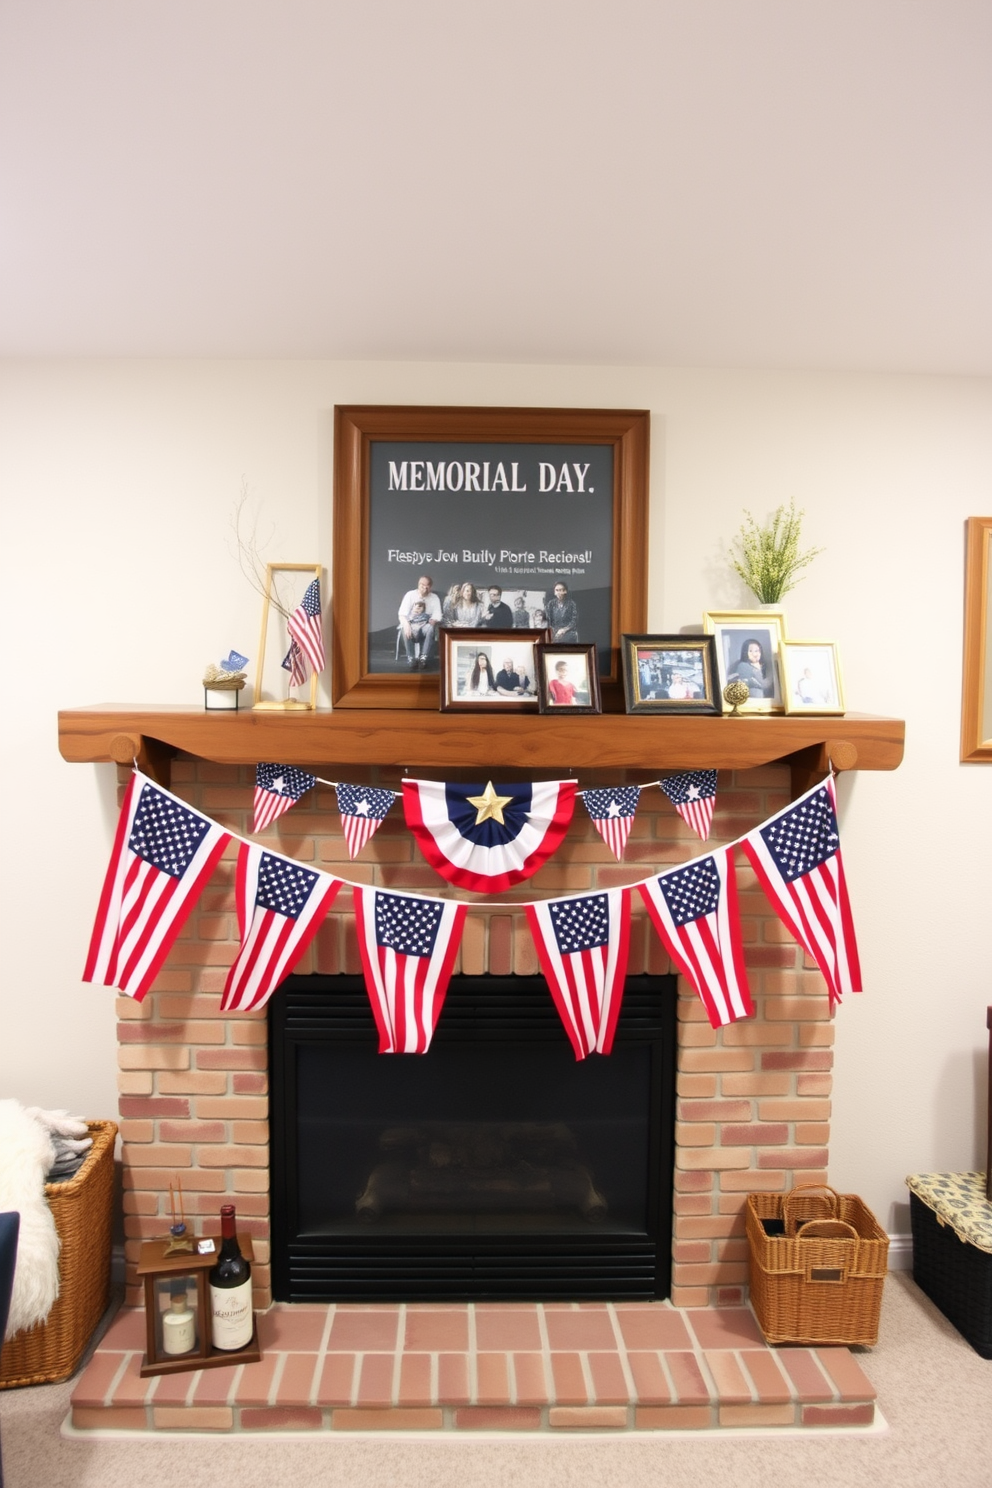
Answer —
(481, 518)
(485, 671)
(811, 677)
(568, 680)
(670, 674)
(747, 650)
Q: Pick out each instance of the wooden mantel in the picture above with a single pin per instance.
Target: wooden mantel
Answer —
(457, 742)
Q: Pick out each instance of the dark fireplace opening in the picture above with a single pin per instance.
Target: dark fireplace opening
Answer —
(496, 1166)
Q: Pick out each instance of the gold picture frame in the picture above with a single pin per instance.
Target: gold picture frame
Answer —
(736, 631)
(976, 682)
(811, 679)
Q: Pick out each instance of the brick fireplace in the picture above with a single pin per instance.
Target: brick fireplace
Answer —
(753, 1099)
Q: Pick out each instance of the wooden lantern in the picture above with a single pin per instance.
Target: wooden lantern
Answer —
(185, 1275)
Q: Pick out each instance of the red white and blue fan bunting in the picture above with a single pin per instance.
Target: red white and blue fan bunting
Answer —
(277, 788)
(796, 856)
(280, 907)
(408, 946)
(582, 944)
(164, 853)
(363, 810)
(693, 794)
(612, 814)
(694, 909)
(487, 838)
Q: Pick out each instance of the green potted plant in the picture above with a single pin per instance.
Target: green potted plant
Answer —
(768, 557)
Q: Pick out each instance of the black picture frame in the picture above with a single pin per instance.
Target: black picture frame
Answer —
(583, 679)
(367, 668)
(654, 665)
(460, 650)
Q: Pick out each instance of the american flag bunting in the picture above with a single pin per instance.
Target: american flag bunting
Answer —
(488, 838)
(281, 905)
(694, 910)
(164, 852)
(277, 788)
(796, 856)
(693, 794)
(612, 814)
(304, 627)
(363, 810)
(407, 945)
(582, 944)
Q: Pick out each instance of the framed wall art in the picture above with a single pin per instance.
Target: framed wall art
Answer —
(498, 518)
(489, 670)
(568, 679)
(811, 681)
(976, 694)
(747, 650)
(670, 674)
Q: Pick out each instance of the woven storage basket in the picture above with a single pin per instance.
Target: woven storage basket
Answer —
(83, 1211)
(818, 1281)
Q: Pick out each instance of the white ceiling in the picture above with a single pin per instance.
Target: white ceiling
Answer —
(790, 183)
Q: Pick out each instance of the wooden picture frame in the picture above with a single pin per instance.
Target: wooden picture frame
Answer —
(475, 439)
(467, 687)
(571, 667)
(736, 631)
(671, 674)
(811, 680)
(976, 683)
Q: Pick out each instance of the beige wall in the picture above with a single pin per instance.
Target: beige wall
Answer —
(118, 482)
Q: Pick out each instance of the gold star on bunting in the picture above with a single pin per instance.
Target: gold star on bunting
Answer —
(489, 804)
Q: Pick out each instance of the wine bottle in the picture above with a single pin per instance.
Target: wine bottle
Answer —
(231, 1318)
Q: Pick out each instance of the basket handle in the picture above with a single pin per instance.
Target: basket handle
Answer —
(797, 1192)
(829, 1229)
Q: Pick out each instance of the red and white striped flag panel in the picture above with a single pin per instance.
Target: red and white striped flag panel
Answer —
(582, 944)
(407, 945)
(694, 910)
(693, 794)
(304, 627)
(612, 813)
(281, 905)
(164, 853)
(796, 856)
(363, 809)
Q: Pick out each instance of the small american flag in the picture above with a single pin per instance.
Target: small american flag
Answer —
(281, 906)
(164, 853)
(304, 626)
(797, 858)
(362, 811)
(693, 795)
(295, 663)
(612, 813)
(694, 909)
(277, 788)
(582, 944)
(408, 945)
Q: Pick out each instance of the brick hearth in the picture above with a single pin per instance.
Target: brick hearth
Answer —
(753, 1099)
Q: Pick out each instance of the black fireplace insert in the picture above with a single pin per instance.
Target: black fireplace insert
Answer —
(495, 1166)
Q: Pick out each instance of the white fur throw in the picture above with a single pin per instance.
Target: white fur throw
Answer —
(26, 1154)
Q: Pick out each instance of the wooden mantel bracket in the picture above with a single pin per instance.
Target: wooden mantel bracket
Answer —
(808, 766)
(151, 756)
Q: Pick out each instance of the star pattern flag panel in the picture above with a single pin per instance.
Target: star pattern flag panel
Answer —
(694, 910)
(612, 814)
(796, 856)
(488, 838)
(304, 627)
(277, 788)
(693, 794)
(408, 946)
(363, 810)
(582, 944)
(281, 905)
(164, 852)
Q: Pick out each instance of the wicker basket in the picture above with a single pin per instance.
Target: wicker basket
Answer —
(83, 1211)
(817, 1278)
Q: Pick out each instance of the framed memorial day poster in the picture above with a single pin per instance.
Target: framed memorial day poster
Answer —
(476, 518)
